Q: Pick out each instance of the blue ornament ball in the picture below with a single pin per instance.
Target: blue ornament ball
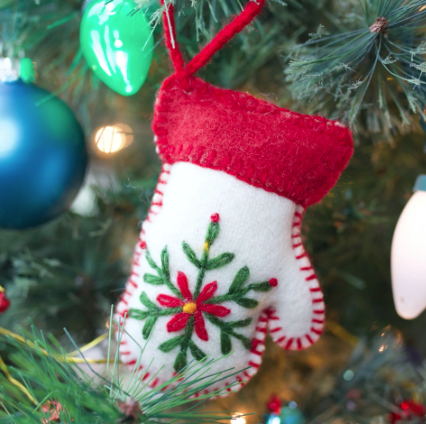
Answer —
(43, 156)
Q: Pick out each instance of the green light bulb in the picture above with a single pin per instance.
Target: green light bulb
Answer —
(117, 44)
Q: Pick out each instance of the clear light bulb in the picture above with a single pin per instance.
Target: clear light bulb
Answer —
(111, 139)
(408, 257)
(238, 419)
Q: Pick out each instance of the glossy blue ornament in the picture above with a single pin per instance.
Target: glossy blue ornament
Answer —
(43, 157)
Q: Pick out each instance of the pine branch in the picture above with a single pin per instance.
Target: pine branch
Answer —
(349, 73)
(55, 387)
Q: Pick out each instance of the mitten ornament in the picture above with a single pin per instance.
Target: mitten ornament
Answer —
(220, 259)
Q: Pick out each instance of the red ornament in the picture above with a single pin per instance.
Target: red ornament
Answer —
(215, 217)
(191, 306)
(274, 405)
(410, 410)
(4, 302)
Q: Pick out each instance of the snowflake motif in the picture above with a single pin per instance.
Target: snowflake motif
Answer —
(192, 307)
(189, 310)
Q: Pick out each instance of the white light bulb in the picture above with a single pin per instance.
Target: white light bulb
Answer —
(110, 139)
(408, 258)
(238, 419)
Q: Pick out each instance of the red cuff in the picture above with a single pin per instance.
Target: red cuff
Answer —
(296, 156)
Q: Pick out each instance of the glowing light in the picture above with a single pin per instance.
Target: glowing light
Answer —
(422, 8)
(408, 255)
(118, 43)
(348, 375)
(111, 139)
(275, 420)
(238, 419)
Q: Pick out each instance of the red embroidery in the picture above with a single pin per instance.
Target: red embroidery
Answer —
(192, 307)
(311, 279)
(273, 282)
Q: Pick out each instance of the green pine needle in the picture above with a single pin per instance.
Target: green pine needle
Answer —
(359, 71)
(51, 380)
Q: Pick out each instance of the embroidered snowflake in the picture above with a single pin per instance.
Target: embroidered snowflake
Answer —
(190, 310)
(191, 306)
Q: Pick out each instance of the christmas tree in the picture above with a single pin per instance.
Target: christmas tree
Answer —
(357, 62)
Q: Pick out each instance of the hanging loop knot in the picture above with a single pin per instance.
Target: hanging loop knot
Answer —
(379, 26)
(238, 23)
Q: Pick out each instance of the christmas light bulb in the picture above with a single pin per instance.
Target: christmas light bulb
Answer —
(111, 139)
(238, 419)
(117, 43)
(408, 258)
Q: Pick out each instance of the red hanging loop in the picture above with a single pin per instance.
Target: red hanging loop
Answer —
(225, 34)
(251, 10)
(170, 36)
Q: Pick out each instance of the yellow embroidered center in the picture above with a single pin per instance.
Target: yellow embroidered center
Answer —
(189, 308)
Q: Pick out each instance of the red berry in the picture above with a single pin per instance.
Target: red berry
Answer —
(215, 217)
(142, 245)
(273, 282)
(4, 302)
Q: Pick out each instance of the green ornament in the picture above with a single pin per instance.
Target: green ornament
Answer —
(117, 44)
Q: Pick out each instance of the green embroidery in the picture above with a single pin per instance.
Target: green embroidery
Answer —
(151, 315)
(191, 319)
(163, 276)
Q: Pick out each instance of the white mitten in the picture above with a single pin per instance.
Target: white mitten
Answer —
(220, 258)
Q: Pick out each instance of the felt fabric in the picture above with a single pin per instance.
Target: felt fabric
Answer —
(296, 156)
(220, 259)
(261, 230)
